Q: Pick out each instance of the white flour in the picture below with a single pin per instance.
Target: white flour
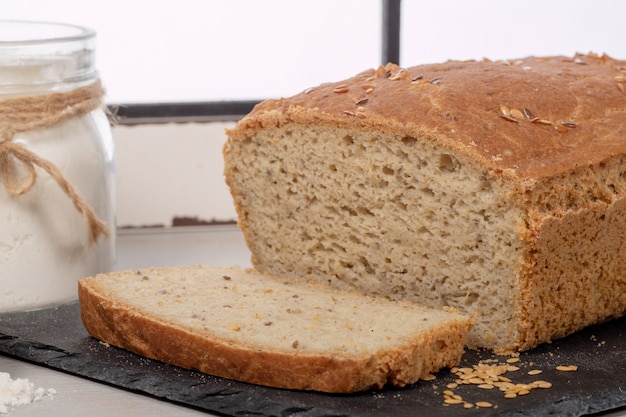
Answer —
(16, 392)
(43, 239)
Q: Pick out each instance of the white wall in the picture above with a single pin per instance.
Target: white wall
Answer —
(439, 30)
(199, 50)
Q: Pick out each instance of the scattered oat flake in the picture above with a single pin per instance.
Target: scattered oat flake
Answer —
(567, 368)
(541, 384)
(489, 375)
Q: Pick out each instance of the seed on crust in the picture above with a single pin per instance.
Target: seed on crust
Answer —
(435, 81)
(528, 113)
(505, 110)
(560, 128)
(398, 75)
(620, 79)
(341, 89)
(509, 118)
(362, 101)
(517, 114)
(564, 123)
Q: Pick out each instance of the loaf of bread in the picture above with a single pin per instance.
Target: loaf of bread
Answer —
(241, 325)
(495, 188)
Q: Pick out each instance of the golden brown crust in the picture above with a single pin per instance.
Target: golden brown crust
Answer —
(576, 110)
(576, 271)
(123, 325)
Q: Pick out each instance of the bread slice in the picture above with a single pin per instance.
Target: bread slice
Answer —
(246, 326)
(495, 188)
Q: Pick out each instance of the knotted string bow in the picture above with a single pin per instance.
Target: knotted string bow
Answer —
(23, 114)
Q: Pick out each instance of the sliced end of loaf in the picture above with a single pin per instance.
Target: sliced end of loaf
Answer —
(383, 214)
(254, 328)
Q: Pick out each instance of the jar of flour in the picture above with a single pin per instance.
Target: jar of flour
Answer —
(56, 165)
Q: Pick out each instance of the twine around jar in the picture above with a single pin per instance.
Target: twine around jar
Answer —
(23, 114)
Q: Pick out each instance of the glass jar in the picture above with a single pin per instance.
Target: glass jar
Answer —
(56, 165)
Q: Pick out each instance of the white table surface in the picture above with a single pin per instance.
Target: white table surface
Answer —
(215, 245)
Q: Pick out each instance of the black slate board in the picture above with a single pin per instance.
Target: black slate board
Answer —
(55, 338)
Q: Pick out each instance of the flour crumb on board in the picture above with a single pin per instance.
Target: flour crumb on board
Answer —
(16, 392)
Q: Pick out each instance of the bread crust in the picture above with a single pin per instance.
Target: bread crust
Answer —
(123, 325)
(460, 106)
